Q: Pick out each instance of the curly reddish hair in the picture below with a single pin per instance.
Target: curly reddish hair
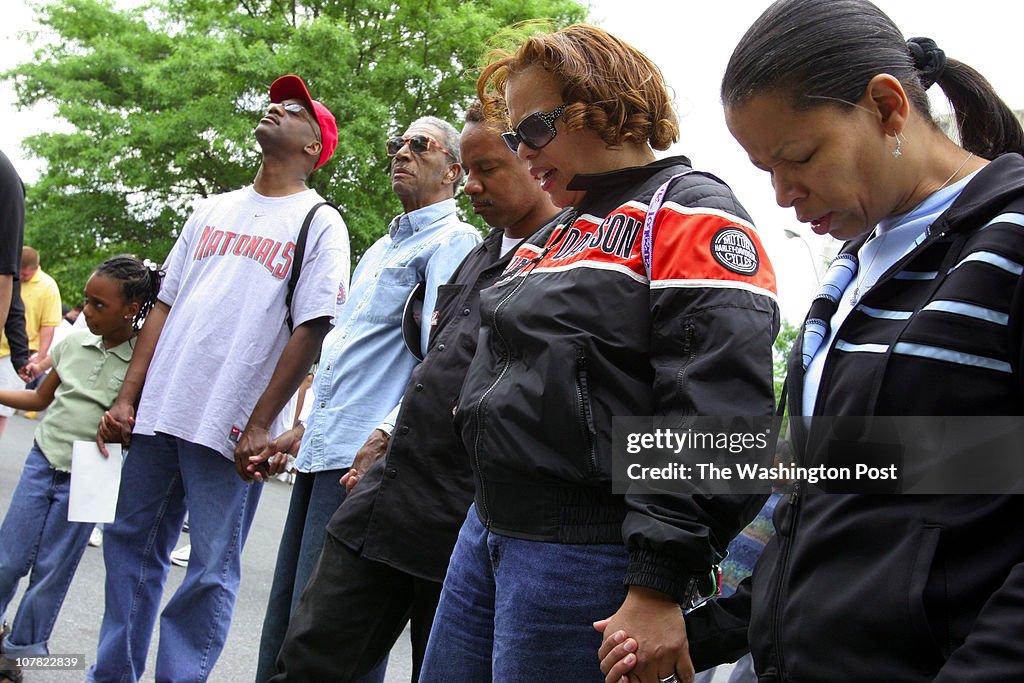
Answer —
(608, 85)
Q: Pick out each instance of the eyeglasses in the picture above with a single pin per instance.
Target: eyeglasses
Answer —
(296, 108)
(535, 131)
(417, 143)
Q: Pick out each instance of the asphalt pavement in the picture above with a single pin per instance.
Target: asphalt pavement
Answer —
(78, 626)
(77, 629)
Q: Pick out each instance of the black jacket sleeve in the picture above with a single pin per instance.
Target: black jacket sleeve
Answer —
(713, 322)
(717, 630)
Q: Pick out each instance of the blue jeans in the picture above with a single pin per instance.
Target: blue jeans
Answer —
(315, 498)
(515, 610)
(161, 478)
(36, 535)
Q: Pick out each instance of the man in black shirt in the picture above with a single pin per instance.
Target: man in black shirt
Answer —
(12, 232)
(12, 229)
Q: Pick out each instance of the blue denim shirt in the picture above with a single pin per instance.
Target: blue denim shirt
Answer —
(365, 365)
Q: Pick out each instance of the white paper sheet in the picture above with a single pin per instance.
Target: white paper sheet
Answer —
(95, 481)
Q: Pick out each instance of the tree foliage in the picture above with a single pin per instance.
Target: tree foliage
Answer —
(161, 101)
(780, 354)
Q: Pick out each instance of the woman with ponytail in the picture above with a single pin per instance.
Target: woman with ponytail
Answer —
(922, 314)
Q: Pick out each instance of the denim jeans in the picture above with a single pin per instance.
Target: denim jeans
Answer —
(516, 610)
(161, 478)
(36, 535)
(315, 497)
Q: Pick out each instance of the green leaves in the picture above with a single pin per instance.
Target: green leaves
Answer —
(161, 102)
(781, 349)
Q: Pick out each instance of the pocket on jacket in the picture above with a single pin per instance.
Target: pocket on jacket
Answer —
(881, 579)
(447, 306)
(927, 586)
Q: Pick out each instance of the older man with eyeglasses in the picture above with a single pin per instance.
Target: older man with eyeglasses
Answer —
(365, 363)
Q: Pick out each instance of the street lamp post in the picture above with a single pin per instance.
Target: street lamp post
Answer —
(793, 234)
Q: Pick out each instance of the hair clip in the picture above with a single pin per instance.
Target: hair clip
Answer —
(150, 265)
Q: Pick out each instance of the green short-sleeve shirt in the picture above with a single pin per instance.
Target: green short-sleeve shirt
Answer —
(90, 377)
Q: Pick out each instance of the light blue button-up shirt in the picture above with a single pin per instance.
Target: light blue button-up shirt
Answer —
(365, 365)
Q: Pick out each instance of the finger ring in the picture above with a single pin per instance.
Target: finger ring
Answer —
(671, 678)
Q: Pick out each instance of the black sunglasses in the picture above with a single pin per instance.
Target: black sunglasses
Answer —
(419, 144)
(299, 110)
(535, 131)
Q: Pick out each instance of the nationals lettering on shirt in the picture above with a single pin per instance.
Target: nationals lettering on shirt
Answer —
(273, 255)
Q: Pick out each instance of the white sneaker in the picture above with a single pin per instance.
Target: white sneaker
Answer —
(96, 537)
(180, 556)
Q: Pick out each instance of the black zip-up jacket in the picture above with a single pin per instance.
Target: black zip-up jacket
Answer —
(904, 588)
(576, 332)
(408, 509)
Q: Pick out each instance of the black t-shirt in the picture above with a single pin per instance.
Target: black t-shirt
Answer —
(12, 217)
(12, 233)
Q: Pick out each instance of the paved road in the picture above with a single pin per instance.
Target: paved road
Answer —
(77, 628)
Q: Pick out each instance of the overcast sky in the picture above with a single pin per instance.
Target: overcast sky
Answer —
(691, 41)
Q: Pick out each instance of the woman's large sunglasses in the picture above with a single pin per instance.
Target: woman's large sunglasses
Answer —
(535, 131)
(417, 143)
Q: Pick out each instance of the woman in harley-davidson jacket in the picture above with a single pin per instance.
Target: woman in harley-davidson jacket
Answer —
(586, 325)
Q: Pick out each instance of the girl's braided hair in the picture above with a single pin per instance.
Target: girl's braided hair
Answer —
(140, 281)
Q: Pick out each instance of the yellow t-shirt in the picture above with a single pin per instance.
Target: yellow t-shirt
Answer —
(42, 309)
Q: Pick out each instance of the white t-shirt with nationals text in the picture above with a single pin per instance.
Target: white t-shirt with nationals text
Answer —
(226, 283)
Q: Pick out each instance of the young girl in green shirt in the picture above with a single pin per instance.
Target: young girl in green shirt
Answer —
(88, 368)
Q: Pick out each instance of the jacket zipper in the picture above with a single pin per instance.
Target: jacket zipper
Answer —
(583, 398)
(483, 397)
(478, 411)
(794, 505)
(691, 353)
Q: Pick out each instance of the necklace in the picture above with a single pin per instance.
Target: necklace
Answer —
(862, 273)
(958, 169)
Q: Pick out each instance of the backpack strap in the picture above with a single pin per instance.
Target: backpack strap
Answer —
(300, 254)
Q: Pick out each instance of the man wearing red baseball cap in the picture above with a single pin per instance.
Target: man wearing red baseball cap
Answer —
(292, 88)
(226, 345)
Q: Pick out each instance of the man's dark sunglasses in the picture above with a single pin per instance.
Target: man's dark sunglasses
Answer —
(299, 110)
(535, 131)
(417, 143)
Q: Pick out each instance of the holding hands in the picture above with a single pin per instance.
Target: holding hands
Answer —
(262, 459)
(370, 452)
(116, 426)
(645, 640)
(30, 371)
